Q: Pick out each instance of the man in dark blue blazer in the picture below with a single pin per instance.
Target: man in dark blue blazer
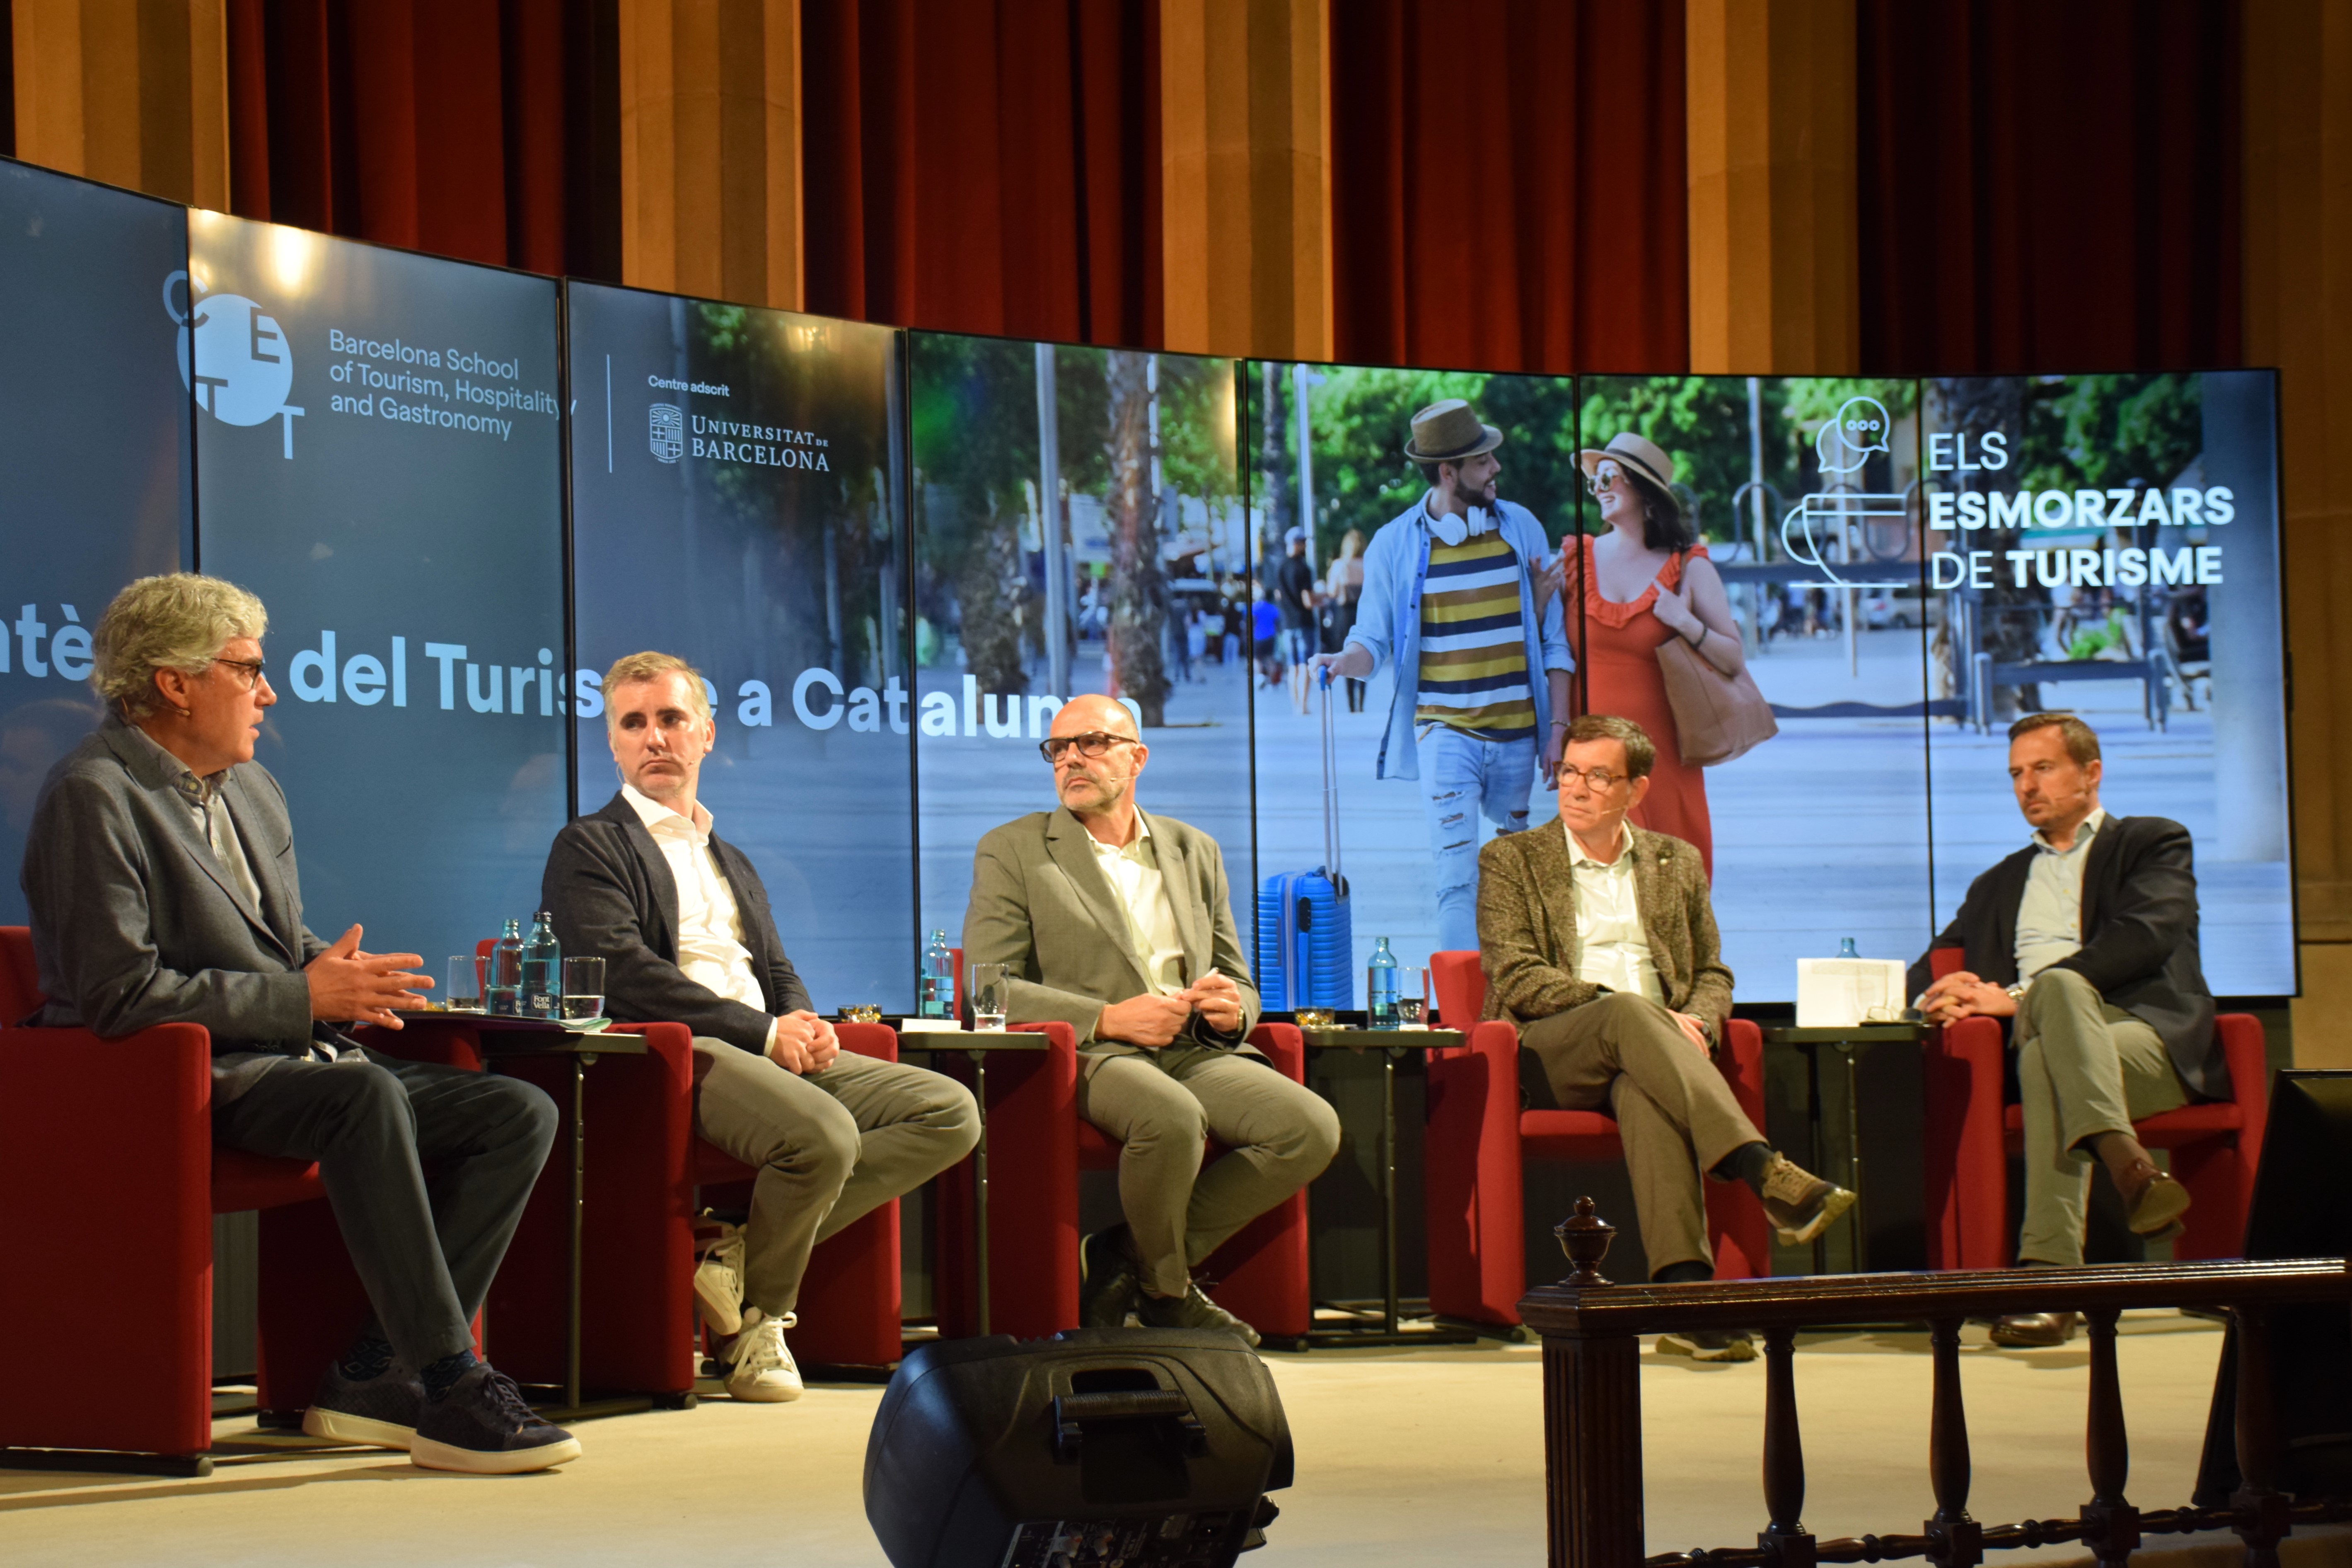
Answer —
(2087, 939)
(681, 920)
(160, 874)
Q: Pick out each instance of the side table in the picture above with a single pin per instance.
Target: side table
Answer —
(1849, 1043)
(1394, 1045)
(498, 1035)
(976, 1045)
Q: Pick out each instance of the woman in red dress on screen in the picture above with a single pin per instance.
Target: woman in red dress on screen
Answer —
(1645, 578)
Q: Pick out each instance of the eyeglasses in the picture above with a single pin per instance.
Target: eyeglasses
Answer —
(1599, 779)
(1092, 744)
(256, 670)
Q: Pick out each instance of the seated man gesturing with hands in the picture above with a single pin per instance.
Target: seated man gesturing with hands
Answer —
(160, 872)
(1120, 924)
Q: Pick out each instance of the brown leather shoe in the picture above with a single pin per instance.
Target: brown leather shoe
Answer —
(2152, 1200)
(2034, 1331)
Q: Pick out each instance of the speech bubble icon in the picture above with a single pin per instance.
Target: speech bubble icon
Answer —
(1860, 428)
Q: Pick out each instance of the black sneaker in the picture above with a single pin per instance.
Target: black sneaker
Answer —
(379, 1412)
(1192, 1310)
(1106, 1284)
(483, 1427)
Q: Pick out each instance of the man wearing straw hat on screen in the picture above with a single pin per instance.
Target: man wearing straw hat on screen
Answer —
(1450, 602)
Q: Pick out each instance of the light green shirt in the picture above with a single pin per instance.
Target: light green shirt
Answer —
(1133, 869)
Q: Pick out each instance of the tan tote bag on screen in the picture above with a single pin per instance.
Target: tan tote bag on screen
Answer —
(1717, 716)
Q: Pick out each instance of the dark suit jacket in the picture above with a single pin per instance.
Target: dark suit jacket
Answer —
(135, 922)
(2140, 937)
(1528, 942)
(1041, 904)
(613, 897)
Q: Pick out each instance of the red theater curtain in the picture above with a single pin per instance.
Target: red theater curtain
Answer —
(488, 132)
(1507, 184)
(984, 167)
(2048, 187)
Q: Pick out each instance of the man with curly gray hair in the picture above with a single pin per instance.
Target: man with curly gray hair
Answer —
(160, 872)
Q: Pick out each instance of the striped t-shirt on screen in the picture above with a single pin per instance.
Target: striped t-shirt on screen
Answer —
(1474, 654)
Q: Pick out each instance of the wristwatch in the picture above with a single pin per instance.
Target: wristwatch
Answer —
(2017, 992)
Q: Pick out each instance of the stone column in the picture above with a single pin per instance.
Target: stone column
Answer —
(132, 94)
(2298, 219)
(1773, 249)
(710, 149)
(1245, 199)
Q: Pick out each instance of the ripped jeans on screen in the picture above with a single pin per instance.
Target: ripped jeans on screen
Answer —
(1465, 778)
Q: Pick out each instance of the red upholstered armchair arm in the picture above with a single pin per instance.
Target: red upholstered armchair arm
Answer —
(1742, 1065)
(880, 1041)
(1285, 1046)
(1965, 1169)
(1474, 1165)
(2249, 1064)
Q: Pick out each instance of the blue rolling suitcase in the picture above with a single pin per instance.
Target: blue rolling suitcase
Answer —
(1306, 928)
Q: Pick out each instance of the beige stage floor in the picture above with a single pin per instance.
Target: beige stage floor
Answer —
(1404, 1458)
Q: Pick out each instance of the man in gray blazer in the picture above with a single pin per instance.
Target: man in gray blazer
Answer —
(160, 874)
(1120, 924)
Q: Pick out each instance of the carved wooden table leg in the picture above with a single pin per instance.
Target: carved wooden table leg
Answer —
(1593, 1451)
(1784, 1455)
(2110, 1524)
(1955, 1539)
(2258, 1443)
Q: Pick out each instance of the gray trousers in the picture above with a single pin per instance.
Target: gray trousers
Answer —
(2084, 1067)
(1675, 1113)
(1278, 1136)
(830, 1147)
(427, 1250)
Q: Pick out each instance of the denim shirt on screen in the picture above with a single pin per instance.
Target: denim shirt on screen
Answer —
(1388, 621)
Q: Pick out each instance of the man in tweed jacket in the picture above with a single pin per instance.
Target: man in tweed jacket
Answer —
(1598, 942)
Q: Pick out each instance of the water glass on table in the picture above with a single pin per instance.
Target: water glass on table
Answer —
(465, 992)
(1413, 999)
(583, 989)
(992, 995)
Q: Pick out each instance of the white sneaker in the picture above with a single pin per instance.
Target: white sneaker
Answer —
(762, 1369)
(719, 1279)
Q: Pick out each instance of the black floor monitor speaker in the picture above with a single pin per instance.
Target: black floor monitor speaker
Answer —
(1146, 1447)
(2299, 1211)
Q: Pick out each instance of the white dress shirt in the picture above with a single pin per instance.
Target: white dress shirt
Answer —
(1133, 869)
(2049, 914)
(1612, 949)
(710, 950)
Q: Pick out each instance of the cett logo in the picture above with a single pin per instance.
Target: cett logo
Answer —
(243, 367)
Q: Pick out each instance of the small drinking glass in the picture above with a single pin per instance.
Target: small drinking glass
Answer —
(991, 989)
(583, 989)
(860, 1012)
(465, 992)
(1409, 1012)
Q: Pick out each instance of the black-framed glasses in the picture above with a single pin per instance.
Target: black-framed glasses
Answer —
(1091, 744)
(256, 670)
(1599, 779)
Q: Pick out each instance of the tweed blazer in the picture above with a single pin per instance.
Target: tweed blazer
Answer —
(135, 922)
(1041, 905)
(1526, 927)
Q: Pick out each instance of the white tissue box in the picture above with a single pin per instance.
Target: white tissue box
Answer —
(1841, 992)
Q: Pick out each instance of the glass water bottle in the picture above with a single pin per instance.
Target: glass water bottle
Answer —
(1380, 987)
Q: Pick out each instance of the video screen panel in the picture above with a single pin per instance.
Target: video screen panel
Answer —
(1103, 550)
(94, 464)
(2109, 545)
(379, 458)
(1409, 801)
(733, 503)
(1766, 524)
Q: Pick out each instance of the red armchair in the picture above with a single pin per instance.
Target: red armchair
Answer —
(1037, 1143)
(151, 1177)
(1479, 1138)
(1970, 1134)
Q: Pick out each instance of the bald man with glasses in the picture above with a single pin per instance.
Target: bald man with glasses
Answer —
(1120, 924)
